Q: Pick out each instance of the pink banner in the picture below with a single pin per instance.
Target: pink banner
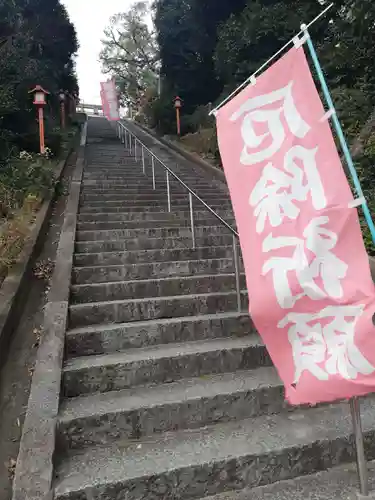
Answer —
(311, 295)
(104, 104)
(109, 100)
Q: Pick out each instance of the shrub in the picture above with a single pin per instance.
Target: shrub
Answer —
(27, 175)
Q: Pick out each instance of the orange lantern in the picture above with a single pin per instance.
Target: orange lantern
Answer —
(40, 101)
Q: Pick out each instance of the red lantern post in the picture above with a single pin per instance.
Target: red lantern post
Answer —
(40, 102)
(177, 105)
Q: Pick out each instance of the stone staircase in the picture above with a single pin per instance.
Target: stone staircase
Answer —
(167, 390)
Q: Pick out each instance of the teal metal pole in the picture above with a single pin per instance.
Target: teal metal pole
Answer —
(340, 133)
(354, 402)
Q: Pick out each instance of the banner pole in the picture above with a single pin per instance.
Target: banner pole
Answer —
(353, 402)
(339, 131)
(359, 443)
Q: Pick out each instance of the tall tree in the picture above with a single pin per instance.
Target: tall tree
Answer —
(39, 44)
(248, 39)
(130, 53)
(187, 36)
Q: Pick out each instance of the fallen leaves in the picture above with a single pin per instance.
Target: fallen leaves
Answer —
(37, 333)
(44, 269)
(11, 466)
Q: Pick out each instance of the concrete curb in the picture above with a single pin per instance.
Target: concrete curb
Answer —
(34, 470)
(13, 291)
(193, 157)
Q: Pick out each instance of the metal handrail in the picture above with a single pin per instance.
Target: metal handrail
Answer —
(125, 135)
(197, 197)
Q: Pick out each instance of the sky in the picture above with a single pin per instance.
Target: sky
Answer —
(90, 17)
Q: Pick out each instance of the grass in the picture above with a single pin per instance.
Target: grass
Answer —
(14, 233)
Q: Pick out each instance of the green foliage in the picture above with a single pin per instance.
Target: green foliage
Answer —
(29, 175)
(248, 39)
(39, 43)
(187, 35)
(160, 114)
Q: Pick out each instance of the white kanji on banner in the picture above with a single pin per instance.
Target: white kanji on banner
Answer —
(325, 265)
(258, 110)
(277, 191)
(324, 345)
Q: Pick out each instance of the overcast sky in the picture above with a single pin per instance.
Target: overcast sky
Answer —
(90, 17)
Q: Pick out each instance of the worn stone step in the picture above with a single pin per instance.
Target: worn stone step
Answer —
(152, 199)
(109, 338)
(161, 364)
(145, 184)
(103, 174)
(164, 232)
(136, 210)
(123, 311)
(129, 204)
(101, 206)
(93, 186)
(338, 483)
(117, 187)
(143, 271)
(215, 459)
(107, 225)
(139, 257)
(146, 243)
(147, 197)
(101, 418)
(158, 287)
(84, 209)
(152, 216)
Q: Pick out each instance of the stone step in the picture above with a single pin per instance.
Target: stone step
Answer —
(139, 257)
(161, 364)
(102, 418)
(114, 187)
(146, 186)
(339, 483)
(123, 311)
(215, 459)
(164, 232)
(128, 203)
(153, 216)
(124, 175)
(159, 287)
(136, 185)
(146, 197)
(136, 210)
(143, 271)
(107, 225)
(145, 243)
(109, 338)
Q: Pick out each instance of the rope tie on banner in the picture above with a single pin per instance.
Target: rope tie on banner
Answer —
(328, 114)
(252, 78)
(357, 202)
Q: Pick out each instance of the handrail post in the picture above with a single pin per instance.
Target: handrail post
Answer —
(237, 273)
(192, 219)
(168, 192)
(122, 132)
(130, 144)
(143, 160)
(135, 148)
(153, 172)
